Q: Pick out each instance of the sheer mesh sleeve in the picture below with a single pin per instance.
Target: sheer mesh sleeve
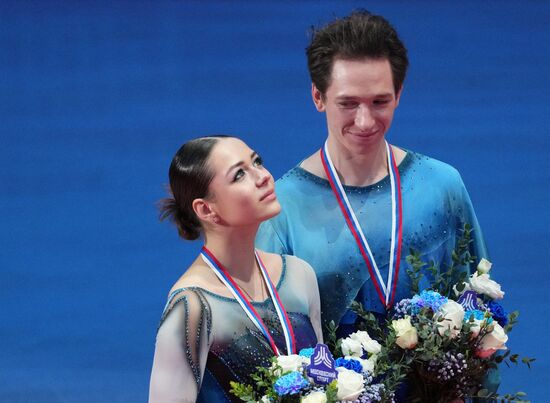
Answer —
(305, 281)
(314, 302)
(181, 348)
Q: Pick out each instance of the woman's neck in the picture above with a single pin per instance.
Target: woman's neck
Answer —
(234, 249)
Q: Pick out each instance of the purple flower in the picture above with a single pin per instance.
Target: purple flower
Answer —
(290, 384)
(498, 312)
(354, 365)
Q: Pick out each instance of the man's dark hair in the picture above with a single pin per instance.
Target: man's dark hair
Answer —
(360, 35)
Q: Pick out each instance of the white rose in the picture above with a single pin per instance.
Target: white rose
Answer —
(482, 284)
(453, 316)
(368, 365)
(484, 266)
(350, 384)
(405, 332)
(351, 347)
(315, 397)
(265, 399)
(492, 342)
(368, 344)
(290, 363)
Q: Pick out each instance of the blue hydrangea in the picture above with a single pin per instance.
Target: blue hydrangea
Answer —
(354, 365)
(477, 314)
(306, 352)
(290, 384)
(427, 299)
(498, 312)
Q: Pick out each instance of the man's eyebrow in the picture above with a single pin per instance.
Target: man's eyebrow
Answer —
(352, 97)
(235, 165)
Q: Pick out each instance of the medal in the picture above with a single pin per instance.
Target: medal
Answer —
(247, 306)
(386, 292)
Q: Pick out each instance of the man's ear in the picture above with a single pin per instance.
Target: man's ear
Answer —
(205, 211)
(317, 98)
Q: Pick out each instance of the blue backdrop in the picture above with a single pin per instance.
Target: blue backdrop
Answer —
(95, 98)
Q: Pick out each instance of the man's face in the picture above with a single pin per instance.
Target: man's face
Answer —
(359, 103)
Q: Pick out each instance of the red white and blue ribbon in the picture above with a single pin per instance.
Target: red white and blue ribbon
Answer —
(385, 291)
(247, 306)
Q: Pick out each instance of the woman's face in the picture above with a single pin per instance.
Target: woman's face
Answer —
(242, 192)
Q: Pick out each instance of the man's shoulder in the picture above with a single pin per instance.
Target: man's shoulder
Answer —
(294, 181)
(434, 166)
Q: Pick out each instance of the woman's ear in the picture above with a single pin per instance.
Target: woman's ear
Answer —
(205, 211)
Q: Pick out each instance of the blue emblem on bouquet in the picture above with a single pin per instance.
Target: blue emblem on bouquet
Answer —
(469, 300)
(321, 367)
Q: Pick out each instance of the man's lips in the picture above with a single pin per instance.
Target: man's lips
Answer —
(363, 134)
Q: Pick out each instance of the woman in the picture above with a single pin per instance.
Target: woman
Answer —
(234, 308)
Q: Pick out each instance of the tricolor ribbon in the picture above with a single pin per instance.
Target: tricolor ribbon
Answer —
(247, 306)
(386, 292)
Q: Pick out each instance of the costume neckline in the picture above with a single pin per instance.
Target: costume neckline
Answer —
(402, 167)
(231, 299)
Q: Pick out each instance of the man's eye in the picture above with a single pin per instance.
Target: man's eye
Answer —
(238, 175)
(348, 105)
(381, 102)
(258, 161)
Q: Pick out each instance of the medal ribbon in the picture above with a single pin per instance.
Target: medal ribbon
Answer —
(386, 292)
(247, 306)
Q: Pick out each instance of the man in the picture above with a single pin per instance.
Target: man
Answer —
(356, 207)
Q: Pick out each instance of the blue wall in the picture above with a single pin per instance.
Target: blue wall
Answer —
(95, 98)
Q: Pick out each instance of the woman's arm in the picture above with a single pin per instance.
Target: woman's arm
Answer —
(181, 349)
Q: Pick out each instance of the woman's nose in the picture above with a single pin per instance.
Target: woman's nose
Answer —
(263, 177)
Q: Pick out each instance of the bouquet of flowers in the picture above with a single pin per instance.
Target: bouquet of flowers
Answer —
(314, 375)
(444, 339)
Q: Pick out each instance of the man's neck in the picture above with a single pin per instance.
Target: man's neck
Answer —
(356, 169)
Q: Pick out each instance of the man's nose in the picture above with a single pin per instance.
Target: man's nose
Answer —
(363, 118)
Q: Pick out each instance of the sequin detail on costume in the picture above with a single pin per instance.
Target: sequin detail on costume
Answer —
(204, 316)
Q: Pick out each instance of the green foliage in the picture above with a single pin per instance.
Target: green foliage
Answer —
(264, 378)
(415, 270)
(331, 339)
(485, 395)
(244, 392)
(331, 392)
(368, 321)
(512, 320)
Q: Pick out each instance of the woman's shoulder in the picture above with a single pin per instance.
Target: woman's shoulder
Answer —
(199, 276)
(290, 263)
(187, 292)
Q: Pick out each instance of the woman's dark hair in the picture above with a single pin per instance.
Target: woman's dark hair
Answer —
(357, 36)
(190, 176)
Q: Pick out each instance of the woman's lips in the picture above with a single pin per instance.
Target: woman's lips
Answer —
(269, 195)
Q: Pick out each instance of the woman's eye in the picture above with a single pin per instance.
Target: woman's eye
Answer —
(258, 161)
(238, 175)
